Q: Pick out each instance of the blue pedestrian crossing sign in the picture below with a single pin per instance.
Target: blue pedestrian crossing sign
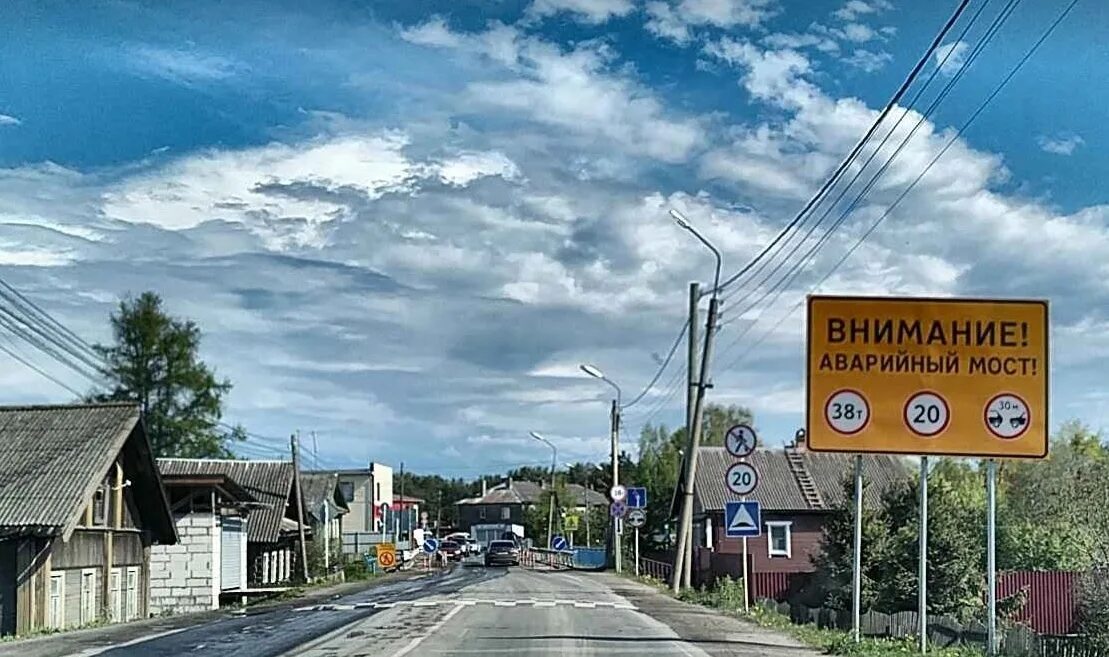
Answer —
(558, 542)
(431, 545)
(637, 498)
(742, 519)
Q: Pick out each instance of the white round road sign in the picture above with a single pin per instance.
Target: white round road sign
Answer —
(742, 478)
(741, 441)
(618, 493)
(847, 411)
(1007, 416)
(637, 518)
(927, 414)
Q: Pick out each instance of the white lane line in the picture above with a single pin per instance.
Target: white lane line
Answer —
(585, 605)
(91, 652)
(425, 603)
(545, 603)
(415, 643)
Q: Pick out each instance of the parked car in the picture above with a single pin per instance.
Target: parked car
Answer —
(451, 550)
(502, 553)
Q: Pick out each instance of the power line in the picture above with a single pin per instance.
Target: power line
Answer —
(857, 149)
(982, 106)
(662, 367)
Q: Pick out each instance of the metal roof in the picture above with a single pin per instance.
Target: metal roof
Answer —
(321, 487)
(53, 458)
(269, 482)
(778, 488)
(529, 492)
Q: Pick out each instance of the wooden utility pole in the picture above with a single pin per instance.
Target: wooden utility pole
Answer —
(294, 444)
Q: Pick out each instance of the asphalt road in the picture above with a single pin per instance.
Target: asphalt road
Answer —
(525, 613)
(516, 612)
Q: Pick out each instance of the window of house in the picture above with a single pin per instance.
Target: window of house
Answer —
(346, 488)
(481, 512)
(115, 594)
(131, 594)
(100, 506)
(506, 513)
(55, 610)
(88, 596)
(779, 541)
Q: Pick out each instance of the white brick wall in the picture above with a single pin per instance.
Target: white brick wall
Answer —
(184, 577)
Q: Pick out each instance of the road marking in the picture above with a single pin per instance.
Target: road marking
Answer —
(528, 602)
(412, 645)
(92, 652)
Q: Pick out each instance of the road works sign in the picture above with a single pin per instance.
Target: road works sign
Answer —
(962, 377)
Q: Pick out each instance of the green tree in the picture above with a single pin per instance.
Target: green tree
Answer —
(835, 561)
(717, 419)
(154, 361)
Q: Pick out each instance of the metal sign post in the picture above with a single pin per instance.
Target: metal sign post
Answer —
(857, 560)
(637, 551)
(991, 557)
(922, 567)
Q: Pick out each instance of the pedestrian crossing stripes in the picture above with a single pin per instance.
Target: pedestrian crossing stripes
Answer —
(577, 604)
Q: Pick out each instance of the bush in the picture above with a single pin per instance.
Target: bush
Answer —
(356, 570)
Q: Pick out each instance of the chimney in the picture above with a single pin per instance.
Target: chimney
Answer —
(484, 490)
(799, 440)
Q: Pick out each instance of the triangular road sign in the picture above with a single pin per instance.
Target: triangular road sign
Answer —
(742, 519)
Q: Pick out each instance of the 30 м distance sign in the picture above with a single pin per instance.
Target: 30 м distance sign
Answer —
(959, 377)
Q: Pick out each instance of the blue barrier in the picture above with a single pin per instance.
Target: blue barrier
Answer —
(590, 557)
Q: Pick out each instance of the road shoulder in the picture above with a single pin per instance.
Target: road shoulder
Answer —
(717, 634)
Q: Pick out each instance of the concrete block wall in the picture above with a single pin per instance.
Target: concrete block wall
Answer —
(185, 577)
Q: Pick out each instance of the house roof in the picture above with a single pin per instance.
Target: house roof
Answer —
(321, 487)
(529, 492)
(269, 482)
(224, 483)
(779, 488)
(55, 457)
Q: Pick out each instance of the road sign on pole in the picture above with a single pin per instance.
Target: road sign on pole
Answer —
(742, 519)
(570, 523)
(959, 377)
(637, 498)
(431, 545)
(558, 542)
(740, 441)
(637, 518)
(617, 509)
(386, 555)
(741, 478)
(618, 493)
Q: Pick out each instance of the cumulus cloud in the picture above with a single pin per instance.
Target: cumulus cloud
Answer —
(853, 9)
(867, 61)
(950, 56)
(1060, 144)
(569, 90)
(6, 119)
(676, 21)
(593, 12)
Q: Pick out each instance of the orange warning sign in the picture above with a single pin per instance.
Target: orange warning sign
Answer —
(386, 555)
(960, 377)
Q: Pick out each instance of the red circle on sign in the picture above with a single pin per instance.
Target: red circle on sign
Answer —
(986, 415)
(387, 559)
(828, 403)
(947, 413)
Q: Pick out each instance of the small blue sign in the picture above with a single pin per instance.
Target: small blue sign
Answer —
(742, 519)
(637, 498)
(431, 545)
(617, 509)
(559, 543)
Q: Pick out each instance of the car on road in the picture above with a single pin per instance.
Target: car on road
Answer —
(475, 546)
(502, 553)
(451, 550)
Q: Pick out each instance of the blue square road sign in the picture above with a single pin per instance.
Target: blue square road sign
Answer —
(637, 498)
(742, 519)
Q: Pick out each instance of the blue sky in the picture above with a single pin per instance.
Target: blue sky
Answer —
(403, 224)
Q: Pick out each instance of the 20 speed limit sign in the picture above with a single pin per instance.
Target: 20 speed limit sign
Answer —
(742, 478)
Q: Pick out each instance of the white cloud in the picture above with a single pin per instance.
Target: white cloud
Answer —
(571, 91)
(1060, 144)
(182, 66)
(951, 56)
(783, 41)
(675, 20)
(867, 61)
(6, 119)
(594, 12)
(852, 9)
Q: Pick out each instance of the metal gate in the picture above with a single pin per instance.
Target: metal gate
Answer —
(232, 538)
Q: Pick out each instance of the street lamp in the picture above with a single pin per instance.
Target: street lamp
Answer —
(614, 415)
(550, 512)
(683, 557)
